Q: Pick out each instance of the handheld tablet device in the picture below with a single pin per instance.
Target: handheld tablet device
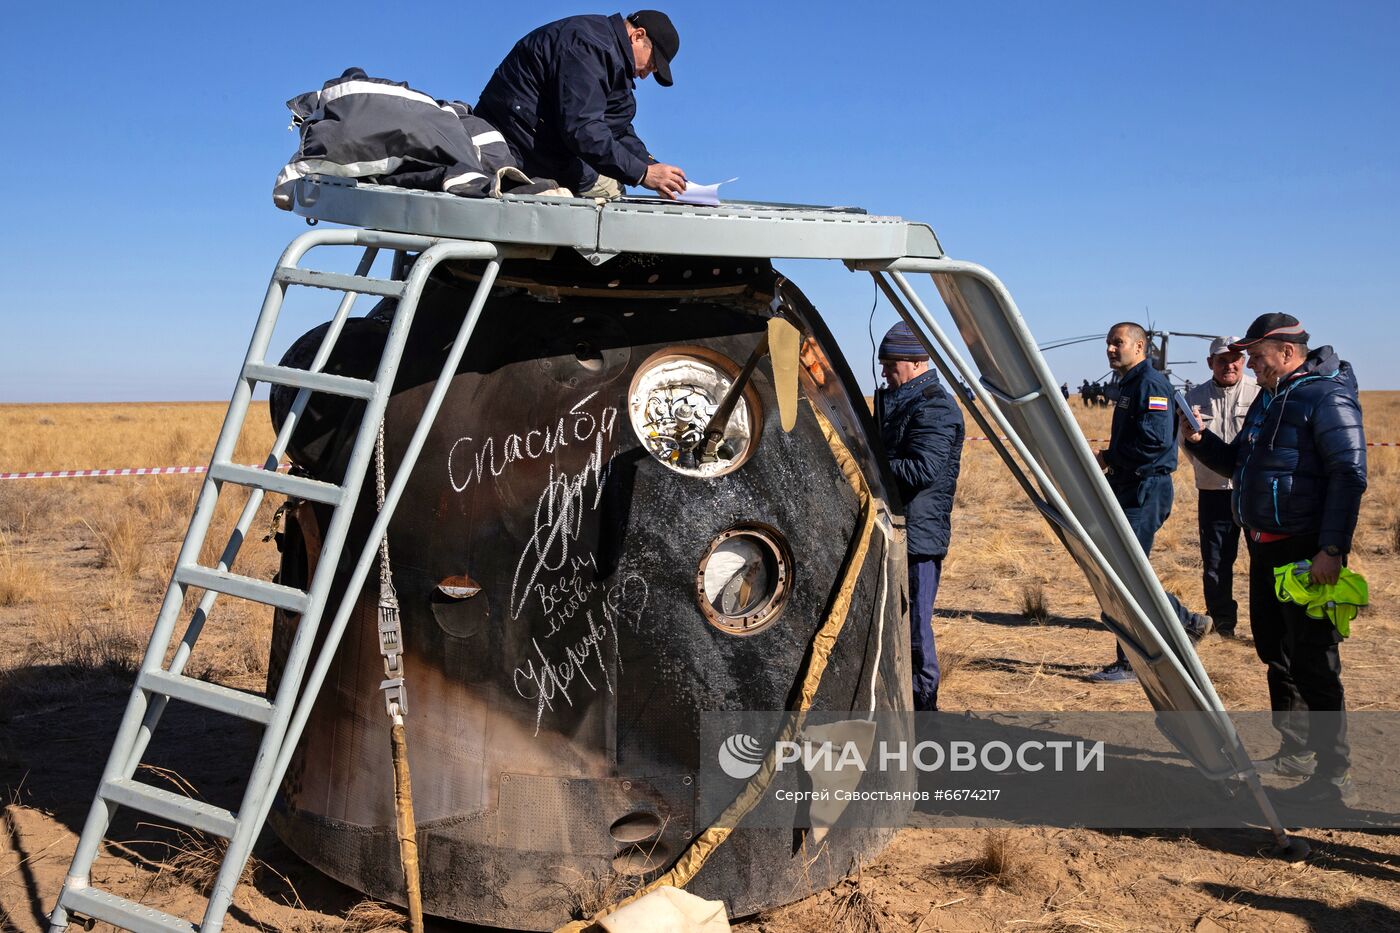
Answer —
(1185, 409)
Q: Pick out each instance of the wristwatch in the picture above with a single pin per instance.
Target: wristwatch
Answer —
(1332, 550)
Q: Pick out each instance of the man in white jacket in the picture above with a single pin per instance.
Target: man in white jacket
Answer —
(1223, 403)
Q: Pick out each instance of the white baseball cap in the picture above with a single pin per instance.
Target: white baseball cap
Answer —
(1222, 345)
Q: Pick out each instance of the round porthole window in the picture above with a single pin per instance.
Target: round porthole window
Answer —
(744, 579)
(673, 398)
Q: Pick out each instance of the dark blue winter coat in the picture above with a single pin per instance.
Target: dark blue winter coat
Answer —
(1299, 461)
(563, 100)
(922, 432)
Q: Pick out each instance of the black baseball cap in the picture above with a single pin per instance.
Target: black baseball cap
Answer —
(664, 41)
(1275, 326)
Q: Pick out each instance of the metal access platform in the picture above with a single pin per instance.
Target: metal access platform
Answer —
(600, 229)
(1010, 392)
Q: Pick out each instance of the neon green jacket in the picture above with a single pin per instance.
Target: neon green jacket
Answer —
(1335, 602)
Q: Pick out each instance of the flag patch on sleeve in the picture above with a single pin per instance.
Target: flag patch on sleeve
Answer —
(1156, 403)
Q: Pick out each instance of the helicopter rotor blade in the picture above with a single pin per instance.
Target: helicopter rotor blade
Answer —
(1067, 341)
(1182, 333)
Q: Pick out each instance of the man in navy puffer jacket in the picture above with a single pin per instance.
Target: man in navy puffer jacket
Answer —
(921, 429)
(1299, 469)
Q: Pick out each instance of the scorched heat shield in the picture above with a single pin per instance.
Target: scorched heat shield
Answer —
(582, 573)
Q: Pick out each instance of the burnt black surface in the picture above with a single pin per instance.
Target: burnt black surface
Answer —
(586, 550)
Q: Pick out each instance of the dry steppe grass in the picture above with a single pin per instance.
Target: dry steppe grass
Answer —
(84, 564)
(21, 579)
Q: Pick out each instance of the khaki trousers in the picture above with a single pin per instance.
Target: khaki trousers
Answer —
(604, 187)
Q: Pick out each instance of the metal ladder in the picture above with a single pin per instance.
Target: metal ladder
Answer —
(284, 715)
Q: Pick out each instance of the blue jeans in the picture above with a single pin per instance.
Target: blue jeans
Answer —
(1146, 504)
(924, 573)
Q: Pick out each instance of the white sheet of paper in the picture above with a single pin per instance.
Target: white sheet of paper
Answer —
(707, 195)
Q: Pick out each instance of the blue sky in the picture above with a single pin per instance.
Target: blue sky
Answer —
(1193, 163)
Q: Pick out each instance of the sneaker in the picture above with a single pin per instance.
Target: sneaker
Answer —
(1323, 790)
(1203, 627)
(1301, 764)
(1225, 632)
(1119, 672)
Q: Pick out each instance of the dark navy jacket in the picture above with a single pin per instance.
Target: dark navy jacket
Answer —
(1143, 438)
(922, 431)
(563, 100)
(1299, 461)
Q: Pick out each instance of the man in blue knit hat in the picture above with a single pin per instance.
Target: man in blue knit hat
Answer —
(921, 428)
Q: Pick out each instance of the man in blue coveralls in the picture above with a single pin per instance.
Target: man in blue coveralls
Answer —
(922, 432)
(1139, 461)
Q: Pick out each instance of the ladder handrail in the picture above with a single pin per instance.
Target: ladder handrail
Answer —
(118, 763)
(245, 518)
(1197, 681)
(291, 703)
(1208, 702)
(1200, 680)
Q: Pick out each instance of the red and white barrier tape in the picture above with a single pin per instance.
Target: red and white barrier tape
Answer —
(175, 470)
(129, 471)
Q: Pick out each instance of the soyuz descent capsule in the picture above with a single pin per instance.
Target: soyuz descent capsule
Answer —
(653, 491)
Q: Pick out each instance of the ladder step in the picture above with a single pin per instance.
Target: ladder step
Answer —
(361, 285)
(297, 486)
(232, 584)
(210, 696)
(316, 382)
(128, 915)
(184, 810)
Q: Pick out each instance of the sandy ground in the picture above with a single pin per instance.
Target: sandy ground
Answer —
(83, 565)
